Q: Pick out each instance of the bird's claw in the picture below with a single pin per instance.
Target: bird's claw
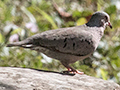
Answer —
(72, 71)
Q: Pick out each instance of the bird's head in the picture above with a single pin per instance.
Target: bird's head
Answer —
(99, 19)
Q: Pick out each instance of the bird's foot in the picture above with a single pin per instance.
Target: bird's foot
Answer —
(81, 73)
(73, 71)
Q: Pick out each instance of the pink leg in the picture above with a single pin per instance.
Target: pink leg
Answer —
(71, 70)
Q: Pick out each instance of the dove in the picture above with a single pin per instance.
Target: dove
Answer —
(70, 44)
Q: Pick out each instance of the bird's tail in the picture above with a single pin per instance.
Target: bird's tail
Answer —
(20, 44)
(14, 44)
(25, 45)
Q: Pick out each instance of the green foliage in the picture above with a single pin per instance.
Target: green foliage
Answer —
(15, 15)
(81, 21)
(76, 14)
(111, 9)
(46, 16)
(100, 3)
(1, 38)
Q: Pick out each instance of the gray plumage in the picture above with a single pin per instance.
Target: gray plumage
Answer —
(69, 44)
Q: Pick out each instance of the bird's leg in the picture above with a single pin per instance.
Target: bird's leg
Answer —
(71, 70)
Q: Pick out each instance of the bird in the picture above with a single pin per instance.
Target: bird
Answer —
(69, 44)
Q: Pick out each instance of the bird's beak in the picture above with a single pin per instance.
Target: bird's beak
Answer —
(109, 24)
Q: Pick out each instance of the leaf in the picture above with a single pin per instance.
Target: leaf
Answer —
(100, 3)
(45, 15)
(86, 13)
(81, 21)
(5, 12)
(116, 23)
(116, 48)
(1, 38)
(104, 74)
(16, 31)
(111, 9)
(116, 63)
(115, 38)
(76, 14)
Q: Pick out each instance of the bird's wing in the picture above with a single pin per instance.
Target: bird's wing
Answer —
(67, 40)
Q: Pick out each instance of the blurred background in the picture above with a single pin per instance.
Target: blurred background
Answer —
(20, 19)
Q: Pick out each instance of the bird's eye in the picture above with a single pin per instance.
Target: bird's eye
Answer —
(106, 18)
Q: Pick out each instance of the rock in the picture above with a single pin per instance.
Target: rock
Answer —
(12, 78)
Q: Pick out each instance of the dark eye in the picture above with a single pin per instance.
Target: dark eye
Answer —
(106, 18)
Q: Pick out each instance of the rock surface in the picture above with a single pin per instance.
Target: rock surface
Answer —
(12, 78)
